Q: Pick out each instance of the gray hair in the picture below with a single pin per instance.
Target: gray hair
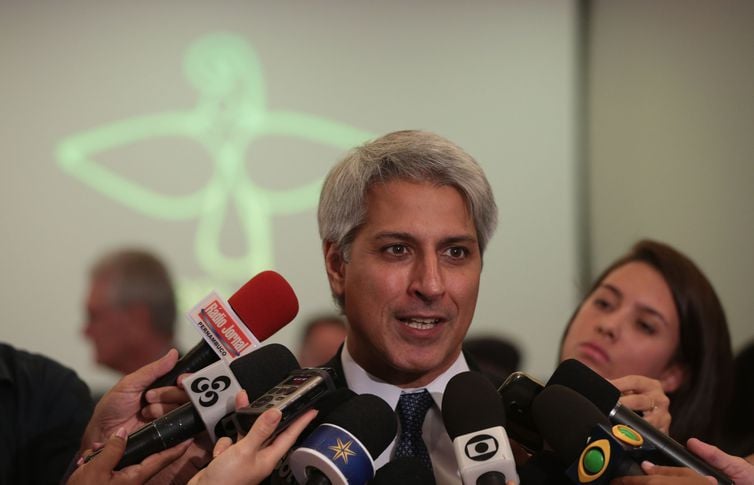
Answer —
(417, 156)
(138, 276)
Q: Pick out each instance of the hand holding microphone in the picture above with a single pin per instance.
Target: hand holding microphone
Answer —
(577, 376)
(255, 373)
(645, 395)
(736, 468)
(121, 406)
(253, 458)
(101, 471)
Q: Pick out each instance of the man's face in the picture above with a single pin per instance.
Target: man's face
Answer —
(105, 325)
(411, 281)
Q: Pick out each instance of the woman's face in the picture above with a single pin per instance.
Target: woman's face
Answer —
(628, 326)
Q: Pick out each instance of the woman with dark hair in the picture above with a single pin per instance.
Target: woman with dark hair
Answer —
(653, 325)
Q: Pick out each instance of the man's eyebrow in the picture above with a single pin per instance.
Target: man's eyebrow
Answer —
(405, 236)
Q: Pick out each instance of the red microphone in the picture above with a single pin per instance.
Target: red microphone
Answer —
(261, 307)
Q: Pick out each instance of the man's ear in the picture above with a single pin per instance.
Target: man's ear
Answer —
(335, 266)
(672, 377)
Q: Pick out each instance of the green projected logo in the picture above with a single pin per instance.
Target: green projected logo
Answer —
(229, 115)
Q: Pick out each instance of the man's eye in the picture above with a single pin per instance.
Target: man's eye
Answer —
(396, 249)
(457, 252)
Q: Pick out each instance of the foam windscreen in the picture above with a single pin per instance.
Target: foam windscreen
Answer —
(266, 303)
(471, 403)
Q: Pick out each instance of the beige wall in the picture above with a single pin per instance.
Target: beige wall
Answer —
(671, 138)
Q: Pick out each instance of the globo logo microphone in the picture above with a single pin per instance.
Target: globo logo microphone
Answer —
(481, 447)
(474, 418)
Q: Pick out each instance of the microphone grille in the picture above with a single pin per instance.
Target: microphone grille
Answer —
(259, 371)
(369, 419)
(575, 375)
(471, 403)
(265, 304)
(565, 419)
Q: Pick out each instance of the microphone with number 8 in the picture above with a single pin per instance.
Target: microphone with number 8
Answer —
(255, 373)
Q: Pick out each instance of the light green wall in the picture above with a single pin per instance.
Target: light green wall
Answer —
(104, 143)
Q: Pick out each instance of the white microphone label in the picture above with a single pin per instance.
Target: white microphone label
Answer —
(221, 328)
(212, 391)
(486, 450)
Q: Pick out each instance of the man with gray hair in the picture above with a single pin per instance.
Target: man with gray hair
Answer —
(130, 309)
(404, 222)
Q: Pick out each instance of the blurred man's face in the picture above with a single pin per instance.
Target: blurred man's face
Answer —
(105, 325)
(411, 282)
(322, 343)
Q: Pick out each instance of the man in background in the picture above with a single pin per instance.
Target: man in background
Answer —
(130, 310)
(320, 339)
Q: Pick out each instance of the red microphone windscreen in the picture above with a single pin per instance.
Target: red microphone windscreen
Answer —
(265, 304)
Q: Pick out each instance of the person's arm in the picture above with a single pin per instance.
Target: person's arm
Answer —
(251, 459)
(665, 475)
(736, 468)
(121, 406)
(99, 470)
(645, 395)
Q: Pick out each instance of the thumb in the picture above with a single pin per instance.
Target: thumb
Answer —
(113, 451)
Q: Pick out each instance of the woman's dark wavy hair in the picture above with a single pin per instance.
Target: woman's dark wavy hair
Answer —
(704, 350)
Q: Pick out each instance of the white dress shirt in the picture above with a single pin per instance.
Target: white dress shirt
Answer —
(438, 442)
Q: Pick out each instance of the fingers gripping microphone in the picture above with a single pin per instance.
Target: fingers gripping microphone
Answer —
(261, 307)
(577, 376)
(580, 435)
(256, 373)
(475, 420)
(341, 451)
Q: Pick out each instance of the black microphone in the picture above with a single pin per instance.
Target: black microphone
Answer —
(407, 470)
(577, 376)
(261, 307)
(341, 450)
(576, 430)
(517, 393)
(475, 420)
(255, 372)
(543, 468)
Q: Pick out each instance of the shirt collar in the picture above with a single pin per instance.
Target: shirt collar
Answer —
(361, 382)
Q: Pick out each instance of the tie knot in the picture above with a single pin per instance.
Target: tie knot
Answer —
(412, 408)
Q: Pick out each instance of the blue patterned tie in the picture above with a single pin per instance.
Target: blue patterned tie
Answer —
(412, 408)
